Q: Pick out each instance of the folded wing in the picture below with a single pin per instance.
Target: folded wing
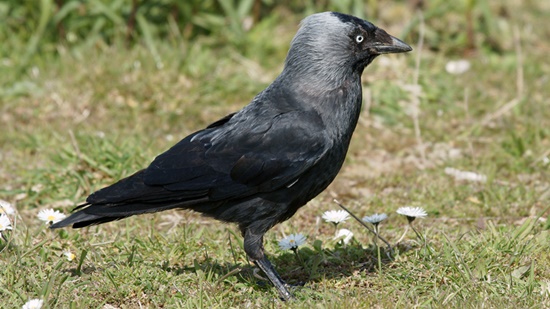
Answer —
(231, 159)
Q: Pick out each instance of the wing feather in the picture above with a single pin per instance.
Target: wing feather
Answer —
(229, 160)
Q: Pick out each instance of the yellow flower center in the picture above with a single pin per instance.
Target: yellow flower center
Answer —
(51, 217)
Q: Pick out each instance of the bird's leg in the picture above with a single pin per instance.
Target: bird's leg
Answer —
(274, 277)
(253, 246)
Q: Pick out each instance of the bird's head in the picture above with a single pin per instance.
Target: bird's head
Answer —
(332, 46)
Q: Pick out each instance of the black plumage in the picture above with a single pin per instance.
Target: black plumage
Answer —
(258, 166)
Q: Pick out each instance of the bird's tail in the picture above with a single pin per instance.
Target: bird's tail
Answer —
(92, 214)
(82, 218)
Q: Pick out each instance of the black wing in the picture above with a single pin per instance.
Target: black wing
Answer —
(232, 158)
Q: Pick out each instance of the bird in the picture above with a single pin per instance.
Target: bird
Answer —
(256, 167)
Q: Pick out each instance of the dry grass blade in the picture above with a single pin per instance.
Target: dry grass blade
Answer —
(390, 249)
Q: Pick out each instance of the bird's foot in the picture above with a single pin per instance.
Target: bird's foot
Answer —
(281, 286)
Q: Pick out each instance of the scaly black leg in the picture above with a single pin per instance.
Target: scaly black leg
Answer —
(253, 246)
(273, 276)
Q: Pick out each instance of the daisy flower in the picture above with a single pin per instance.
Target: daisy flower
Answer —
(335, 216)
(375, 219)
(69, 255)
(50, 216)
(5, 223)
(292, 242)
(412, 212)
(6, 208)
(33, 304)
(457, 67)
(345, 234)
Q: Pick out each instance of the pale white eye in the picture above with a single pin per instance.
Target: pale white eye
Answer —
(359, 39)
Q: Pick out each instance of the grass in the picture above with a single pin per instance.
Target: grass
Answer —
(75, 123)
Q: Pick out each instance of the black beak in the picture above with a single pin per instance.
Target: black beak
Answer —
(394, 46)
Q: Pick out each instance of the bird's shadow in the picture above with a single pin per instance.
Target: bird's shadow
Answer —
(315, 264)
(298, 268)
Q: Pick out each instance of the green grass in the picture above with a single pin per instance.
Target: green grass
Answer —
(74, 122)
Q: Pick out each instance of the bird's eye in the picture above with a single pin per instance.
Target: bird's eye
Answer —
(359, 39)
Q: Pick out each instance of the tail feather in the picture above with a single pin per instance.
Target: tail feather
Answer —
(82, 219)
(92, 214)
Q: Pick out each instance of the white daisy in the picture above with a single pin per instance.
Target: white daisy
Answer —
(457, 67)
(33, 304)
(375, 219)
(292, 242)
(5, 223)
(335, 216)
(345, 234)
(413, 212)
(6, 208)
(50, 216)
(69, 255)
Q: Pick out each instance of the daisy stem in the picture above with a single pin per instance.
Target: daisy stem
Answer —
(365, 225)
(374, 240)
(404, 233)
(298, 257)
(379, 258)
(417, 234)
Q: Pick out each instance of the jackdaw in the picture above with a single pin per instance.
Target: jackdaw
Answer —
(257, 166)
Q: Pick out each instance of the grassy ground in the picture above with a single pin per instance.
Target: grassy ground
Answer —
(72, 124)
